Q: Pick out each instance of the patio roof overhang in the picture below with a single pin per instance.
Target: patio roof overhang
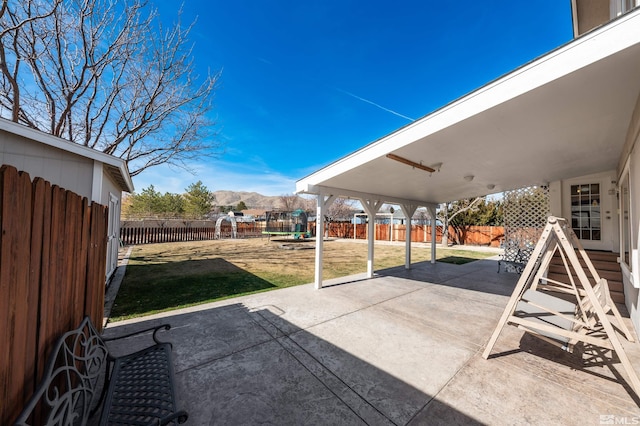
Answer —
(563, 115)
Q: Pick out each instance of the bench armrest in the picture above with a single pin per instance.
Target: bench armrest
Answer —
(146, 330)
(181, 416)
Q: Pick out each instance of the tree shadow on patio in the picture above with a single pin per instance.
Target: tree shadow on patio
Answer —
(240, 366)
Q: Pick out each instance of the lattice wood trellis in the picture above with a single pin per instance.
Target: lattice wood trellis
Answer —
(525, 215)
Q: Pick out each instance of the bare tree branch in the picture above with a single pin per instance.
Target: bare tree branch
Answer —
(107, 75)
(290, 202)
(11, 24)
(451, 210)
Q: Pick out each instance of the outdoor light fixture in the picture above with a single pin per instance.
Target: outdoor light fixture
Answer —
(469, 178)
(436, 166)
(411, 163)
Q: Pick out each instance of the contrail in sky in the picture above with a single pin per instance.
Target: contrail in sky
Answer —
(374, 104)
(266, 61)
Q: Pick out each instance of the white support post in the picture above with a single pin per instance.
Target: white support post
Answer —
(408, 210)
(354, 225)
(371, 207)
(432, 215)
(322, 205)
(371, 237)
(391, 228)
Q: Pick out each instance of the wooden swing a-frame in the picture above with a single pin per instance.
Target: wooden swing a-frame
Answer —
(565, 313)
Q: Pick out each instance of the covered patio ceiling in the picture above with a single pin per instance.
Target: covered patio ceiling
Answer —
(563, 115)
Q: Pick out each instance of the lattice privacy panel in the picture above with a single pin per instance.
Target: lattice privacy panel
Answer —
(525, 216)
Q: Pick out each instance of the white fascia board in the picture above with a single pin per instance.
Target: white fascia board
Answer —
(96, 186)
(124, 171)
(65, 145)
(588, 49)
(340, 192)
(574, 18)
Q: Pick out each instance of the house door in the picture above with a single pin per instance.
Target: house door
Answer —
(588, 205)
(112, 235)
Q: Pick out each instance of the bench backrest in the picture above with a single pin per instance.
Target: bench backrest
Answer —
(70, 386)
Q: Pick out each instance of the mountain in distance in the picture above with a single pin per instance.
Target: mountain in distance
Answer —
(253, 200)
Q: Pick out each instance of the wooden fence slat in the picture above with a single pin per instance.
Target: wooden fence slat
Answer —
(99, 219)
(53, 319)
(65, 259)
(46, 278)
(5, 289)
(38, 208)
(14, 276)
(92, 267)
(45, 285)
(22, 258)
(101, 259)
(83, 251)
(74, 220)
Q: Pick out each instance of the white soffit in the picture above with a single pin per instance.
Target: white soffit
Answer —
(563, 115)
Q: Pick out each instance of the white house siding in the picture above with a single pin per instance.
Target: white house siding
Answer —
(64, 169)
(560, 206)
(631, 159)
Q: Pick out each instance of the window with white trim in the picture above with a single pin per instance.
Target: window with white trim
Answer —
(585, 211)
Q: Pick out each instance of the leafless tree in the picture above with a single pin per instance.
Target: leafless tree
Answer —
(451, 210)
(340, 209)
(107, 75)
(289, 202)
(11, 27)
(308, 204)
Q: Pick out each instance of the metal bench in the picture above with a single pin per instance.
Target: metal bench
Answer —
(514, 257)
(82, 381)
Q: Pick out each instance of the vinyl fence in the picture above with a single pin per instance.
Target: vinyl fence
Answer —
(52, 273)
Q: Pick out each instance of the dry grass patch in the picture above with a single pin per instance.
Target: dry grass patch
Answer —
(168, 276)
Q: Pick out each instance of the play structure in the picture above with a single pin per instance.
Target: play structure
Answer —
(286, 224)
(234, 227)
(570, 311)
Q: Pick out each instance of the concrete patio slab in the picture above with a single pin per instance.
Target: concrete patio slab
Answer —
(401, 348)
(261, 385)
(494, 392)
(376, 356)
(459, 314)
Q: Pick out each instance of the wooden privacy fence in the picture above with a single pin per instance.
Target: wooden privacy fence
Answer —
(472, 235)
(134, 236)
(52, 273)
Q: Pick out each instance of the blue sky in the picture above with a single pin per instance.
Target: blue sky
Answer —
(306, 82)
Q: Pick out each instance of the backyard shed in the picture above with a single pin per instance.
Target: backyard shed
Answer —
(99, 177)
